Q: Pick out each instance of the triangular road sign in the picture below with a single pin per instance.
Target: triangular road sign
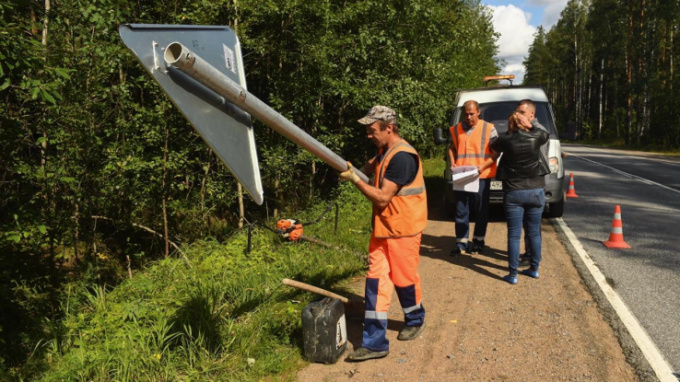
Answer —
(225, 127)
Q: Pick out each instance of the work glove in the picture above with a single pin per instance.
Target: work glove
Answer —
(350, 175)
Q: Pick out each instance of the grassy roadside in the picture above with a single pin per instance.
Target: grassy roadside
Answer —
(220, 315)
(223, 315)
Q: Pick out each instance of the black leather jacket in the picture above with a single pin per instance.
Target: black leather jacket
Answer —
(520, 158)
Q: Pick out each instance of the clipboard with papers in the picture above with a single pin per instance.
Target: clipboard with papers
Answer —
(465, 178)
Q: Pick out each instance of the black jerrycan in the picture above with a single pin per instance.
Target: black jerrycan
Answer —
(324, 330)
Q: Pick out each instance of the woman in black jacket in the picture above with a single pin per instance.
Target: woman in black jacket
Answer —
(522, 172)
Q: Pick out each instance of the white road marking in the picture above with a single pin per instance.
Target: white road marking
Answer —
(643, 180)
(649, 350)
(653, 159)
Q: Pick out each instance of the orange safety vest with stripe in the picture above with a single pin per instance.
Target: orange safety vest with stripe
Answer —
(473, 149)
(406, 214)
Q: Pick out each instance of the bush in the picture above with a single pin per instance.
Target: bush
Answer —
(203, 318)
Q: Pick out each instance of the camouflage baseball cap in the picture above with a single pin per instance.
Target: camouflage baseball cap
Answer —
(379, 113)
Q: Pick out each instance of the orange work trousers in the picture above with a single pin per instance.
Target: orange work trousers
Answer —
(393, 263)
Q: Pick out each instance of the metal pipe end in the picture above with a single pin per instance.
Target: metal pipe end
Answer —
(173, 53)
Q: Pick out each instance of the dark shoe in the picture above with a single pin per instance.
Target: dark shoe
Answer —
(363, 354)
(457, 250)
(511, 279)
(410, 332)
(477, 246)
(524, 260)
(531, 273)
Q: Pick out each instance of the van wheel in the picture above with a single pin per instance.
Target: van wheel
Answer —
(556, 210)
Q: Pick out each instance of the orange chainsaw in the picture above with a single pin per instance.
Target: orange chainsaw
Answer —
(292, 229)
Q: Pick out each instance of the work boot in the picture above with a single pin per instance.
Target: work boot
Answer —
(477, 246)
(363, 354)
(410, 332)
(458, 249)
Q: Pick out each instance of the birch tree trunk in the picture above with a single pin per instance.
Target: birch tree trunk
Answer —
(600, 100)
(165, 193)
(43, 146)
(576, 96)
(641, 76)
(629, 73)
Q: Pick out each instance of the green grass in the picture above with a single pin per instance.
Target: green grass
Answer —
(433, 171)
(224, 316)
(220, 315)
(433, 167)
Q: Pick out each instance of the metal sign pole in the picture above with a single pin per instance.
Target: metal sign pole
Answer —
(178, 56)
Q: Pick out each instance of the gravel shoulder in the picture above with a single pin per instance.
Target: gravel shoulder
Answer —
(479, 328)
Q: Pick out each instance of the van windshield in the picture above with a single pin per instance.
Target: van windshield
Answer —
(498, 113)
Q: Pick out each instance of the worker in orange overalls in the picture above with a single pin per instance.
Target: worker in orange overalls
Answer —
(470, 141)
(399, 218)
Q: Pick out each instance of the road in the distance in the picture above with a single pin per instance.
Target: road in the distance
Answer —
(647, 276)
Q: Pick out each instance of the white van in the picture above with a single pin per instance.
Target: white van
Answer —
(496, 104)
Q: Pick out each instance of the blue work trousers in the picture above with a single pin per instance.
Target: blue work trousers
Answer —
(466, 202)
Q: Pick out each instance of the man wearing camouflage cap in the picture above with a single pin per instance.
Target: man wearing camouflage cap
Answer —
(399, 218)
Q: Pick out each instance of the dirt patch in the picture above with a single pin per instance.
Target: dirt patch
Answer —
(479, 328)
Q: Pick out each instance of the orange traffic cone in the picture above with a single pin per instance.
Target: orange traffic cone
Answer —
(616, 235)
(571, 192)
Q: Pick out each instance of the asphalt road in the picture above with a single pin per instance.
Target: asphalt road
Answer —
(646, 276)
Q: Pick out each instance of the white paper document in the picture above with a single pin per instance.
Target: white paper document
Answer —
(465, 178)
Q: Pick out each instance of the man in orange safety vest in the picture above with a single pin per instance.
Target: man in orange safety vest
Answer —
(470, 141)
(399, 218)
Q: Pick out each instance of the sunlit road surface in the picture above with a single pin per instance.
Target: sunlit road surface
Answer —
(646, 276)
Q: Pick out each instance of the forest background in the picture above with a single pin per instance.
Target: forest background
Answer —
(102, 178)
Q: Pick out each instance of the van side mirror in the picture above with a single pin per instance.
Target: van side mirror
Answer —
(441, 136)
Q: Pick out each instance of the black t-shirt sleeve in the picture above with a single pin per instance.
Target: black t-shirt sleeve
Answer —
(402, 169)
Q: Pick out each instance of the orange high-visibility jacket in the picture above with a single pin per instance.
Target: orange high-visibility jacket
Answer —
(473, 149)
(406, 214)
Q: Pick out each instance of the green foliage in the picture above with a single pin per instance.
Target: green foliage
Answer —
(88, 186)
(433, 167)
(203, 321)
(411, 58)
(611, 67)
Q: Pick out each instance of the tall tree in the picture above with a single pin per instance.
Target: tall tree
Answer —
(97, 164)
(617, 71)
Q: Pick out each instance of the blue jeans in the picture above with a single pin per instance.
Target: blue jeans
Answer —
(527, 245)
(467, 202)
(519, 203)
